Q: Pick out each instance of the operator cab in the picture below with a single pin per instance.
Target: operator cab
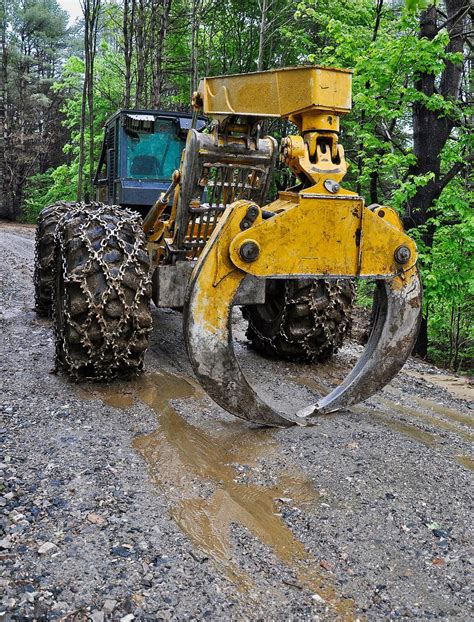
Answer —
(140, 151)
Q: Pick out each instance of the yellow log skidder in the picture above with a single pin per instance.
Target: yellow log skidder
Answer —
(217, 245)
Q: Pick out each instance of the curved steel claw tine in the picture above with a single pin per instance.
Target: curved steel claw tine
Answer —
(397, 311)
(208, 336)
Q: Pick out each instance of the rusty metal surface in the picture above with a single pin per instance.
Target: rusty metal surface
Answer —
(169, 284)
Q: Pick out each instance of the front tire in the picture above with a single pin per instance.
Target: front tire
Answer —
(101, 308)
(44, 254)
(301, 320)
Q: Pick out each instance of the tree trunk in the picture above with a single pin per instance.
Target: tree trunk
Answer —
(90, 88)
(158, 50)
(128, 33)
(456, 361)
(140, 97)
(263, 4)
(193, 69)
(82, 124)
(374, 176)
(431, 130)
(373, 191)
(4, 206)
(90, 10)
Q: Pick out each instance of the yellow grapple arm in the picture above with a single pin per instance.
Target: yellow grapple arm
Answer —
(318, 229)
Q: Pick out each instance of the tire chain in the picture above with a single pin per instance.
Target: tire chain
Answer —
(320, 318)
(103, 370)
(40, 267)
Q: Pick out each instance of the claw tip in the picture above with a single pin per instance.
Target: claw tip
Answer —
(307, 412)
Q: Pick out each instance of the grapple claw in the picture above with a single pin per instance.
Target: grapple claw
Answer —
(208, 334)
(397, 320)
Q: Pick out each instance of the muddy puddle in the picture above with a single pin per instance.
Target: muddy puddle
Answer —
(212, 477)
(436, 422)
(445, 411)
(466, 461)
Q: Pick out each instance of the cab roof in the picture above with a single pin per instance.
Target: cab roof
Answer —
(150, 112)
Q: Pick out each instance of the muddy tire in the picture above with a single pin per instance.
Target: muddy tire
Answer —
(44, 254)
(301, 320)
(101, 307)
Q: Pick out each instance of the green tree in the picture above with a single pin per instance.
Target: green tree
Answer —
(35, 38)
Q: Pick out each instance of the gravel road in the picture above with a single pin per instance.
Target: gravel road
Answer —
(144, 500)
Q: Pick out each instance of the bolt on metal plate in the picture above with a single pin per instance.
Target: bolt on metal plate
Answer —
(331, 186)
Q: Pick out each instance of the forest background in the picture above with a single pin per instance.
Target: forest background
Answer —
(408, 139)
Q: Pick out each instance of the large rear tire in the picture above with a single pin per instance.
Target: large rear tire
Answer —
(44, 254)
(101, 308)
(301, 320)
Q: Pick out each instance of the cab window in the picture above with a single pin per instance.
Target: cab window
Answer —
(154, 156)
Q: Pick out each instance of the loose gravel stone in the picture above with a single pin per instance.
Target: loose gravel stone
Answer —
(47, 547)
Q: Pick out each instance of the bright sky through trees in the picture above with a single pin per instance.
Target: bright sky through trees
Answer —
(73, 7)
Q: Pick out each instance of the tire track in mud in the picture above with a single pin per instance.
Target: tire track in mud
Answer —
(178, 453)
(390, 400)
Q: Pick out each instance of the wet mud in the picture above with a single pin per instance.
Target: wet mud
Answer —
(466, 461)
(393, 406)
(461, 387)
(179, 453)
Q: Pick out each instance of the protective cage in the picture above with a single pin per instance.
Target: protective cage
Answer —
(212, 179)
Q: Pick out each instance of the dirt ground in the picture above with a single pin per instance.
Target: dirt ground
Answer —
(144, 500)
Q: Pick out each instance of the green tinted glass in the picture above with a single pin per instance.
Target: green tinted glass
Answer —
(154, 156)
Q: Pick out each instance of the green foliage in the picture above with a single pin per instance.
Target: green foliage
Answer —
(61, 182)
(364, 293)
(377, 137)
(35, 40)
(415, 5)
(448, 277)
(43, 189)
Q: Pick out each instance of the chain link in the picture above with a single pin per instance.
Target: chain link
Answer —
(321, 318)
(44, 261)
